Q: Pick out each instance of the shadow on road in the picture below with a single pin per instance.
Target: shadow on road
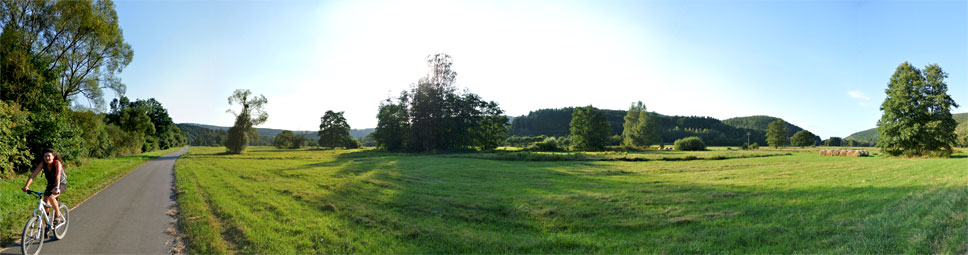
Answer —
(15, 248)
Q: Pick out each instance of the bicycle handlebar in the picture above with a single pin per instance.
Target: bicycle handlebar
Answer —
(34, 192)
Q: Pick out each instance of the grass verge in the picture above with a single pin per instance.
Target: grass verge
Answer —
(92, 176)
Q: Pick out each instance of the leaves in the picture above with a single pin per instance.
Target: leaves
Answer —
(776, 134)
(641, 128)
(589, 128)
(803, 138)
(249, 116)
(917, 113)
(334, 131)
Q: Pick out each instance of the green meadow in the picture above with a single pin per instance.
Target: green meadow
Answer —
(364, 201)
(83, 181)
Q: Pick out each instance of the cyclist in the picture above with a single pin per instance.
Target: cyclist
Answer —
(53, 169)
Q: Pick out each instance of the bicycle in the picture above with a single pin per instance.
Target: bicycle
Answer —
(38, 226)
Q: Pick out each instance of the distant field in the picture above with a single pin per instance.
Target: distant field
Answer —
(82, 182)
(360, 201)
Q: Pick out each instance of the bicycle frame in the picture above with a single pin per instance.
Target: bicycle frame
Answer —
(39, 212)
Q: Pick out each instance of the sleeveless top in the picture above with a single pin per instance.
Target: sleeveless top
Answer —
(51, 174)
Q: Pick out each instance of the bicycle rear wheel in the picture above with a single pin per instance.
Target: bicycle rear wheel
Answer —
(33, 237)
(60, 230)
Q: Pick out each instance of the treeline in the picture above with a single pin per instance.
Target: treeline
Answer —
(555, 123)
(53, 54)
(208, 135)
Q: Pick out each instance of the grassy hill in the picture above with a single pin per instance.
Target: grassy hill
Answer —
(870, 136)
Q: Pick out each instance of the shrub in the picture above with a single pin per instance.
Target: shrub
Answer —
(284, 140)
(549, 144)
(353, 143)
(691, 143)
(125, 143)
(14, 126)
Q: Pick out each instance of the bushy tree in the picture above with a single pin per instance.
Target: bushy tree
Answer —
(917, 113)
(641, 128)
(776, 134)
(334, 131)
(298, 141)
(393, 125)
(548, 144)
(284, 140)
(962, 132)
(692, 143)
(246, 119)
(14, 126)
(150, 119)
(589, 128)
(81, 41)
(52, 52)
(94, 137)
(493, 127)
(834, 141)
(124, 142)
(803, 138)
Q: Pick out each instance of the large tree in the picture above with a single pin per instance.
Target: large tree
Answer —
(776, 134)
(334, 131)
(284, 139)
(834, 141)
(641, 128)
(962, 132)
(917, 113)
(79, 41)
(438, 116)
(246, 119)
(493, 127)
(589, 128)
(803, 138)
(393, 125)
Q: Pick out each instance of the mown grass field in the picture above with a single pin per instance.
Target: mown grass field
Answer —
(83, 181)
(270, 201)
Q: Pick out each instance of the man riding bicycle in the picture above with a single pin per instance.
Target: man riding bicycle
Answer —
(53, 169)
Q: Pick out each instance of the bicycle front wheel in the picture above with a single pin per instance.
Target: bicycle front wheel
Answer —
(33, 236)
(60, 229)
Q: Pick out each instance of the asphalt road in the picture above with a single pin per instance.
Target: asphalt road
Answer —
(128, 217)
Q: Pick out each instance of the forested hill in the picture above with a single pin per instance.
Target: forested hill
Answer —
(555, 122)
(867, 136)
(870, 136)
(761, 122)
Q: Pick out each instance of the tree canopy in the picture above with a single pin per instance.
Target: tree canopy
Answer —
(917, 117)
(246, 118)
(334, 131)
(641, 128)
(803, 138)
(776, 134)
(79, 42)
(589, 129)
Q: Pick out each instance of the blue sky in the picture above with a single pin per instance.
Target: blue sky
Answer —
(822, 65)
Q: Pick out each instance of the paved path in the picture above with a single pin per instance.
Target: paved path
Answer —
(128, 217)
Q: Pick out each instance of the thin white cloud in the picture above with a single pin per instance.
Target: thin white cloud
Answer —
(858, 95)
